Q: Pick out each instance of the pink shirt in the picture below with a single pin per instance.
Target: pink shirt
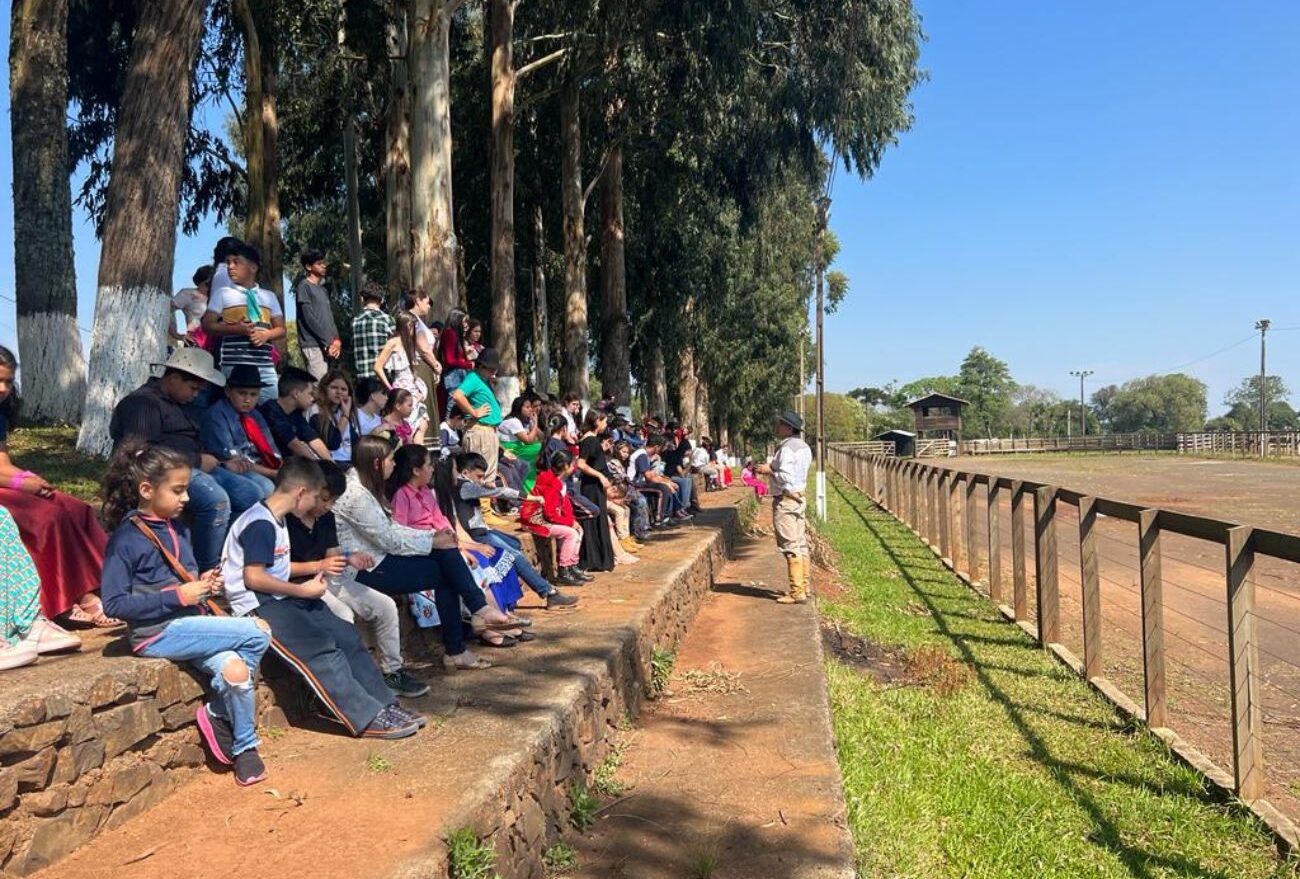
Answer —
(419, 509)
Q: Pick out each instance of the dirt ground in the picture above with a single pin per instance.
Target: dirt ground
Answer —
(732, 773)
(1240, 491)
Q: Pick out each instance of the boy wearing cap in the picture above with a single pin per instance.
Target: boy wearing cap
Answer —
(789, 471)
(238, 436)
(475, 397)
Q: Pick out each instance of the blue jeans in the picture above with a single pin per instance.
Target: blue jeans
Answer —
(270, 379)
(523, 567)
(443, 571)
(244, 489)
(686, 486)
(640, 513)
(210, 506)
(210, 643)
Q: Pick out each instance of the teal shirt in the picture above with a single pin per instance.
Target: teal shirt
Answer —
(477, 392)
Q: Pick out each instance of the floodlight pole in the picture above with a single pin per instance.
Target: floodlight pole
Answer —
(1262, 326)
(823, 208)
(1083, 413)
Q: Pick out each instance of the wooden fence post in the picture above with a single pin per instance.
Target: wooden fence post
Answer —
(1020, 600)
(1243, 666)
(972, 528)
(1089, 578)
(954, 520)
(945, 517)
(1153, 619)
(913, 486)
(995, 540)
(1045, 573)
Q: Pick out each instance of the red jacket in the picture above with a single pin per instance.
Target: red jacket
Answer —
(556, 505)
(453, 353)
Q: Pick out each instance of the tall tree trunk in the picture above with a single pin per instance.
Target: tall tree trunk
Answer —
(133, 302)
(573, 374)
(397, 154)
(261, 132)
(49, 343)
(356, 257)
(541, 310)
(688, 384)
(657, 383)
(615, 366)
(700, 419)
(503, 197)
(433, 231)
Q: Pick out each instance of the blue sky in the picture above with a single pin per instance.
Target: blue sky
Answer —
(1101, 185)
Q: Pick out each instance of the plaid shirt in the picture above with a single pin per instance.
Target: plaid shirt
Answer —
(370, 330)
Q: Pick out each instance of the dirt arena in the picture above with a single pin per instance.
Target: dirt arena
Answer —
(1248, 492)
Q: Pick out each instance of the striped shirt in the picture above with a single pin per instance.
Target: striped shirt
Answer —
(232, 304)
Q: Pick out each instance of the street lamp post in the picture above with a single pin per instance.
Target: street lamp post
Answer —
(823, 209)
(1083, 415)
(1262, 326)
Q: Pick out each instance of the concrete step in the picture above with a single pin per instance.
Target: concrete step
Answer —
(504, 750)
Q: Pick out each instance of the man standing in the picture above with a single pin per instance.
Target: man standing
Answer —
(159, 414)
(475, 398)
(789, 472)
(318, 337)
(370, 329)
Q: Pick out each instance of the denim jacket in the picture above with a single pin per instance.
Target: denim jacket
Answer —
(222, 432)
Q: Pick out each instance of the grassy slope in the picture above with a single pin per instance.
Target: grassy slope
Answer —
(52, 452)
(1024, 771)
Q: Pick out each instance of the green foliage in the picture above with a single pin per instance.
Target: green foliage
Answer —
(985, 383)
(1243, 401)
(661, 669)
(378, 763)
(1040, 412)
(1159, 403)
(846, 419)
(583, 806)
(559, 858)
(604, 782)
(470, 858)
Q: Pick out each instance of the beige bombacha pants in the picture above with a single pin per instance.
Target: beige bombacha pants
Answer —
(790, 522)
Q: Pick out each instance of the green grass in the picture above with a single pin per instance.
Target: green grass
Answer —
(559, 858)
(51, 452)
(378, 763)
(604, 780)
(661, 670)
(1021, 771)
(582, 806)
(468, 857)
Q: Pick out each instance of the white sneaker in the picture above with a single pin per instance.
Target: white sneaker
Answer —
(20, 654)
(46, 637)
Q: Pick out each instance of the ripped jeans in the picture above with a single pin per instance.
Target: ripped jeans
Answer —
(209, 504)
(209, 644)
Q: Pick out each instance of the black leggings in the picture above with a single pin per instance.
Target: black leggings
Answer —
(444, 572)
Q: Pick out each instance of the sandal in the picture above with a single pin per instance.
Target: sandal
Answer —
(504, 640)
(82, 618)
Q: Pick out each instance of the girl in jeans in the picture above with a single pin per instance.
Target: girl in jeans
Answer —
(553, 517)
(406, 559)
(149, 582)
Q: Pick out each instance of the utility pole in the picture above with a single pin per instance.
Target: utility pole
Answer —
(1262, 326)
(1083, 413)
(823, 208)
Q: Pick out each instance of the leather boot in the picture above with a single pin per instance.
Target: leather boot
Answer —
(798, 593)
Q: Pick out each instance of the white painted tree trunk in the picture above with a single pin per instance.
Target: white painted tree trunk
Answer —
(54, 372)
(130, 332)
(433, 234)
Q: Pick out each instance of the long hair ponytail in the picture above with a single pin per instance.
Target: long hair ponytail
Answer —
(134, 462)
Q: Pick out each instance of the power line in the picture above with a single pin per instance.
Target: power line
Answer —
(8, 298)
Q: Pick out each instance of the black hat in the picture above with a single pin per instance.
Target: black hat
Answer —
(488, 358)
(792, 419)
(245, 376)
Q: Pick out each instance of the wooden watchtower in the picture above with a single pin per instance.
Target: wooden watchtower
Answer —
(938, 416)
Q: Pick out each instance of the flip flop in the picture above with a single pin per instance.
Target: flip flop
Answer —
(479, 664)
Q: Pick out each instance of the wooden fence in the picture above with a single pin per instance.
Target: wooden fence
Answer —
(1248, 443)
(870, 447)
(938, 502)
(1104, 442)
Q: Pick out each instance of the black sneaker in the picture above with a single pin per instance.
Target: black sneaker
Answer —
(217, 735)
(420, 720)
(559, 599)
(569, 578)
(582, 574)
(404, 684)
(390, 724)
(249, 768)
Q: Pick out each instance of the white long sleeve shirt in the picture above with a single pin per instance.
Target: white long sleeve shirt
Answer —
(790, 466)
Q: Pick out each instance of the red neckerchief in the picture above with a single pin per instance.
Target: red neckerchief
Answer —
(265, 450)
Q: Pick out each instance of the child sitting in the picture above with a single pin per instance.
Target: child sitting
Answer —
(236, 434)
(449, 432)
(553, 516)
(315, 536)
(749, 476)
(396, 416)
(149, 582)
(372, 397)
(326, 651)
(286, 417)
(415, 506)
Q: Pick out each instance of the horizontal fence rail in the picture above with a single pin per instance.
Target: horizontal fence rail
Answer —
(1247, 443)
(940, 504)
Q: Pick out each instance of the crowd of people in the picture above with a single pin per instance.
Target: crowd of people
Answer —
(247, 498)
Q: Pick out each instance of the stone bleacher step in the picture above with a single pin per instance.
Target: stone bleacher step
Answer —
(501, 756)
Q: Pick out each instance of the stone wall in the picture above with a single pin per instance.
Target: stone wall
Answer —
(96, 750)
